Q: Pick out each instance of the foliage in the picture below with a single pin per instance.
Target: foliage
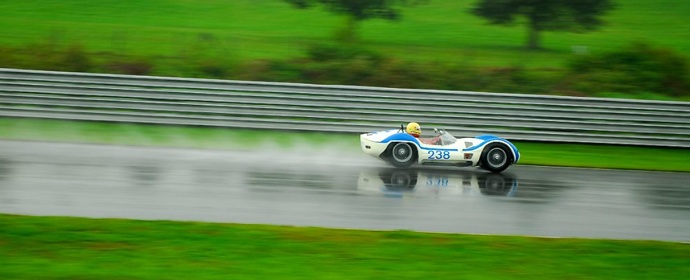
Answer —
(75, 59)
(330, 52)
(61, 58)
(637, 70)
(568, 15)
(356, 11)
(639, 67)
(130, 66)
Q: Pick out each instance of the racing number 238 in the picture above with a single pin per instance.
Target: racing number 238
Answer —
(439, 155)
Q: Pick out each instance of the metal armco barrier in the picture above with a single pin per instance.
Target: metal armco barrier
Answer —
(328, 108)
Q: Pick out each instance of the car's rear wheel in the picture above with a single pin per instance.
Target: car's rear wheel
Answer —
(402, 154)
(495, 158)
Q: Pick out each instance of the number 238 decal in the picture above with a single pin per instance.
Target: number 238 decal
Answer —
(438, 154)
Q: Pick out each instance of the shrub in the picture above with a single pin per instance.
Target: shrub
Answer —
(328, 52)
(637, 68)
(129, 66)
(214, 69)
(75, 59)
(8, 57)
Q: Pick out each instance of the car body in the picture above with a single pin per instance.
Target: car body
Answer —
(401, 149)
(424, 181)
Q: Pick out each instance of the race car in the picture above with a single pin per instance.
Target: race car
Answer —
(401, 149)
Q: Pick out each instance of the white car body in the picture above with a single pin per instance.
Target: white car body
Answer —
(402, 150)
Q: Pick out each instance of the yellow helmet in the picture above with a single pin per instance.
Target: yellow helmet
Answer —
(414, 129)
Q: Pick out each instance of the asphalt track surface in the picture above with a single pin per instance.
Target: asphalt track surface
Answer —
(330, 188)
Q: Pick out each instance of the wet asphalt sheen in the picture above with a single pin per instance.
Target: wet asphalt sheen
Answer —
(330, 188)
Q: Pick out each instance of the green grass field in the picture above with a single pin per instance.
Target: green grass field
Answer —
(77, 248)
(441, 30)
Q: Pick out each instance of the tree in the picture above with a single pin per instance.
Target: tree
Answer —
(545, 15)
(357, 11)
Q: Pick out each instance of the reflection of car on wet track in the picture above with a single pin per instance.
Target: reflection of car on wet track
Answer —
(401, 149)
(419, 181)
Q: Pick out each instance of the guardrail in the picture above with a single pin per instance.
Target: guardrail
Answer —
(328, 108)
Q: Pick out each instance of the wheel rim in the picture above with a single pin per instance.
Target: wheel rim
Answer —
(496, 157)
(402, 152)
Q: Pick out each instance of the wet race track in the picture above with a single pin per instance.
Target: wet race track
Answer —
(326, 188)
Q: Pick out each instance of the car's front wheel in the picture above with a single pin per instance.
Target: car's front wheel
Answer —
(402, 155)
(495, 158)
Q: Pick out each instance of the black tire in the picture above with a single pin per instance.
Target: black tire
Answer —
(402, 154)
(496, 158)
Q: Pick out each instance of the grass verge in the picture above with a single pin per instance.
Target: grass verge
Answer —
(79, 248)
(534, 153)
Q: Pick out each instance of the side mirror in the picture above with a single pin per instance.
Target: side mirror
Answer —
(436, 130)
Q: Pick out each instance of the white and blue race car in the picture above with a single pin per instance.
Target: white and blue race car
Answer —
(401, 149)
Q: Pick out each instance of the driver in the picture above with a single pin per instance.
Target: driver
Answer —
(415, 130)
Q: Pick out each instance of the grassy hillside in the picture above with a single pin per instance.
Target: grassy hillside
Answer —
(441, 30)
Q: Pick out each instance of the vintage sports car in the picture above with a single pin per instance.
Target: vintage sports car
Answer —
(401, 149)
